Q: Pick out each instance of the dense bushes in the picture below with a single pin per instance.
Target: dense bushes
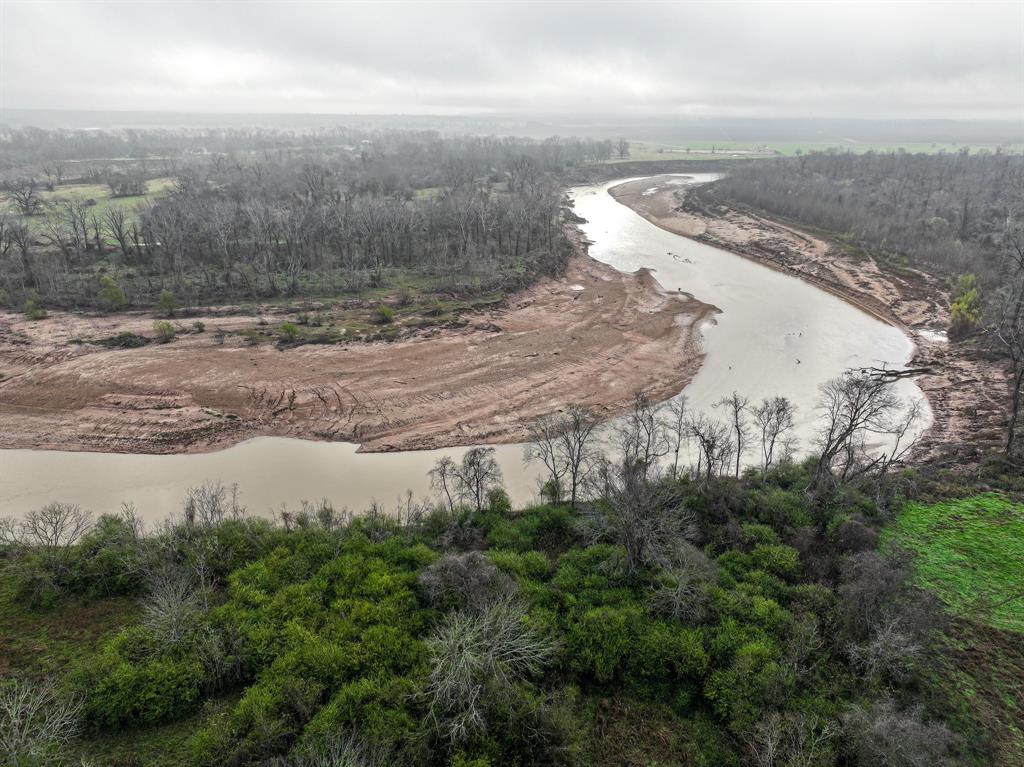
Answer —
(496, 638)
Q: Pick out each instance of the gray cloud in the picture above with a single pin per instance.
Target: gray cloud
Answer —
(957, 60)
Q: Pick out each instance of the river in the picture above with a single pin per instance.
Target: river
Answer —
(775, 335)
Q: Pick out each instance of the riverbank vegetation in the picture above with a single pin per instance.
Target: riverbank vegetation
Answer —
(649, 612)
(958, 217)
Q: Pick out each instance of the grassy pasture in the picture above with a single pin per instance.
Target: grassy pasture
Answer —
(970, 552)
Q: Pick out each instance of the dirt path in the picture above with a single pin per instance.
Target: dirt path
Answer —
(967, 393)
(594, 336)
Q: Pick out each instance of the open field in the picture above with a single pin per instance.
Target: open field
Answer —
(97, 197)
(970, 552)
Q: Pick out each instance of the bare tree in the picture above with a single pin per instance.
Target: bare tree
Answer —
(35, 723)
(51, 530)
(443, 479)
(737, 408)
(791, 739)
(713, 443)
(173, 604)
(882, 735)
(622, 148)
(580, 428)
(856, 407)
(211, 503)
(344, 749)
(774, 422)
(546, 446)
(676, 432)
(643, 515)
(466, 580)
(564, 444)
(115, 224)
(477, 475)
(681, 591)
(24, 195)
(475, 659)
(641, 436)
(1006, 329)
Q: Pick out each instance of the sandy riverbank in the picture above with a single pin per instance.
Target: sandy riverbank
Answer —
(966, 393)
(593, 336)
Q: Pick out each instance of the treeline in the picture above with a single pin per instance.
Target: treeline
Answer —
(316, 217)
(754, 617)
(947, 213)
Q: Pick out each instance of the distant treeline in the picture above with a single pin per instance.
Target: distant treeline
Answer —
(946, 212)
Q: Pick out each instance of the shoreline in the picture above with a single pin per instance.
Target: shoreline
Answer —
(960, 388)
(594, 336)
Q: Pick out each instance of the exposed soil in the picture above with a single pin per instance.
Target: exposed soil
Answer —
(593, 336)
(967, 392)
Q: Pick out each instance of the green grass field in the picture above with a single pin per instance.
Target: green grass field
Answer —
(97, 196)
(970, 552)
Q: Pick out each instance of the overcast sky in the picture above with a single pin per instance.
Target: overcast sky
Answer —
(913, 60)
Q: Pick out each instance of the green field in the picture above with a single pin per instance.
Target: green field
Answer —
(970, 552)
(96, 196)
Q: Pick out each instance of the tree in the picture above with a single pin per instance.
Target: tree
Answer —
(51, 530)
(713, 444)
(545, 445)
(564, 444)
(737, 408)
(622, 148)
(856, 406)
(773, 420)
(643, 515)
(443, 478)
(35, 723)
(24, 194)
(477, 475)
(641, 436)
(676, 430)
(476, 659)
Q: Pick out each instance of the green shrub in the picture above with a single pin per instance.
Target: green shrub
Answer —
(110, 295)
(385, 314)
(783, 561)
(531, 565)
(289, 332)
(601, 640)
(119, 693)
(198, 326)
(34, 310)
(965, 307)
(166, 302)
(164, 330)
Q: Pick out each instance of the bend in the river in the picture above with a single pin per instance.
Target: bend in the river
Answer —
(775, 335)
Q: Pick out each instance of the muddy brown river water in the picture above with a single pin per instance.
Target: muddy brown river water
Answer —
(775, 335)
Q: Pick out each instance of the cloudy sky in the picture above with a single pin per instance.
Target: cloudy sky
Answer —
(826, 59)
